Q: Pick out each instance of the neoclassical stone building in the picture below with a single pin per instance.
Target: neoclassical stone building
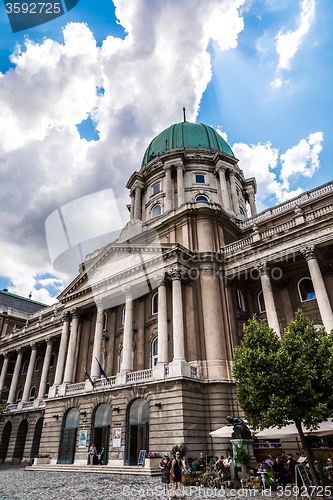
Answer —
(161, 309)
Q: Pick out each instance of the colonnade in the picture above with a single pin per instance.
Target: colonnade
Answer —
(28, 379)
(323, 301)
(229, 202)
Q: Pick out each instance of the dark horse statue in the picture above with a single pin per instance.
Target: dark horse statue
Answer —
(241, 430)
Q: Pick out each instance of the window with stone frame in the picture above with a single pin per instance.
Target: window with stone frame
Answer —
(25, 367)
(200, 178)
(19, 395)
(156, 211)
(52, 360)
(154, 352)
(201, 197)
(47, 388)
(156, 188)
(261, 302)
(240, 300)
(32, 393)
(105, 322)
(154, 304)
(121, 358)
(306, 290)
(38, 363)
(123, 312)
(10, 368)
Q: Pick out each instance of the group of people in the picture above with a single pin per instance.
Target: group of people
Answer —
(282, 468)
(93, 453)
(172, 472)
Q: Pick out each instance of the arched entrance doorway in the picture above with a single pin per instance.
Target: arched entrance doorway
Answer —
(101, 430)
(68, 441)
(20, 442)
(5, 437)
(36, 438)
(138, 430)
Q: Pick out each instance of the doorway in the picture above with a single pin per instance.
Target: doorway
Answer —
(68, 441)
(101, 431)
(138, 430)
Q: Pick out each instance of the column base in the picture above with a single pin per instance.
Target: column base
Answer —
(121, 378)
(53, 391)
(216, 369)
(179, 368)
(159, 371)
(62, 389)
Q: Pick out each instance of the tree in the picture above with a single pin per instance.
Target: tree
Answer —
(3, 406)
(280, 381)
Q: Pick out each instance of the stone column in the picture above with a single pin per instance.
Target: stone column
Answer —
(45, 370)
(167, 169)
(140, 348)
(252, 202)
(69, 368)
(272, 318)
(177, 315)
(223, 185)
(137, 206)
(132, 204)
(98, 338)
(234, 196)
(127, 364)
(13, 385)
(319, 287)
(4, 370)
(162, 324)
(180, 184)
(62, 349)
(30, 372)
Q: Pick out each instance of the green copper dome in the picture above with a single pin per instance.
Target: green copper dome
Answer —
(186, 135)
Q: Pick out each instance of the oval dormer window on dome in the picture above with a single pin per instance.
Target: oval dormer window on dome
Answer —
(156, 211)
(201, 197)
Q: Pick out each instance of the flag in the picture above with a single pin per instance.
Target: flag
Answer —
(89, 377)
(101, 371)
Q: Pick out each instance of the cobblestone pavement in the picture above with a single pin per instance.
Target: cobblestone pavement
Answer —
(20, 484)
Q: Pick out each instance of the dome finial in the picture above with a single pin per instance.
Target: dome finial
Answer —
(184, 111)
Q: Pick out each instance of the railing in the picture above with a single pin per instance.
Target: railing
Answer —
(75, 388)
(318, 213)
(102, 383)
(278, 229)
(139, 376)
(232, 247)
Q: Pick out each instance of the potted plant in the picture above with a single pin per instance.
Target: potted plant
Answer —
(41, 458)
(152, 459)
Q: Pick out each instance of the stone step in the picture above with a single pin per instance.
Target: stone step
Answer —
(97, 469)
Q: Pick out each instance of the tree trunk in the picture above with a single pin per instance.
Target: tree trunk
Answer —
(307, 450)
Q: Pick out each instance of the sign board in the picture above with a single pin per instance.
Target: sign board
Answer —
(141, 459)
(307, 485)
(83, 439)
(116, 437)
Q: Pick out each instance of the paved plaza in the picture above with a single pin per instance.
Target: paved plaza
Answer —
(16, 483)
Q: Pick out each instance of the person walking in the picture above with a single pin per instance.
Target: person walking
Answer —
(176, 474)
(165, 465)
(92, 453)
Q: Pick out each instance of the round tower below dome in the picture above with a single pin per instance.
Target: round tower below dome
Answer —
(186, 135)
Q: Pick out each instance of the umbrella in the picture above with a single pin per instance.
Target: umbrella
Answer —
(225, 432)
(325, 428)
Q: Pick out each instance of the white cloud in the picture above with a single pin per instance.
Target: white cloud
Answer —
(161, 65)
(288, 43)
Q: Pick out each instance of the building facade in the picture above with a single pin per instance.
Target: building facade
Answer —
(153, 317)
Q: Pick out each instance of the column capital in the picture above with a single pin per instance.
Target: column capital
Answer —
(5, 354)
(99, 304)
(49, 341)
(128, 291)
(33, 346)
(250, 190)
(159, 278)
(262, 268)
(19, 350)
(167, 167)
(220, 167)
(175, 273)
(309, 252)
(179, 165)
(65, 316)
(76, 313)
(138, 185)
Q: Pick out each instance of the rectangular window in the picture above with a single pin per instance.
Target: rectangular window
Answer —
(200, 179)
(157, 188)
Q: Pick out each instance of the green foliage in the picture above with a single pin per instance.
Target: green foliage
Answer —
(323, 471)
(3, 406)
(242, 455)
(284, 380)
(183, 449)
(189, 481)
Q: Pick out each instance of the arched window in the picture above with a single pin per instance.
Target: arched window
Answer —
(241, 211)
(10, 368)
(105, 322)
(156, 211)
(102, 360)
(261, 302)
(240, 300)
(37, 364)
(201, 197)
(25, 367)
(52, 360)
(121, 359)
(200, 178)
(154, 352)
(19, 395)
(32, 393)
(306, 290)
(154, 303)
(47, 388)
(123, 312)
(156, 188)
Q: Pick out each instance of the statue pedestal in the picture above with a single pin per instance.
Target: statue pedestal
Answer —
(247, 445)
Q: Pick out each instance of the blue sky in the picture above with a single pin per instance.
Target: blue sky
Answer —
(82, 96)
